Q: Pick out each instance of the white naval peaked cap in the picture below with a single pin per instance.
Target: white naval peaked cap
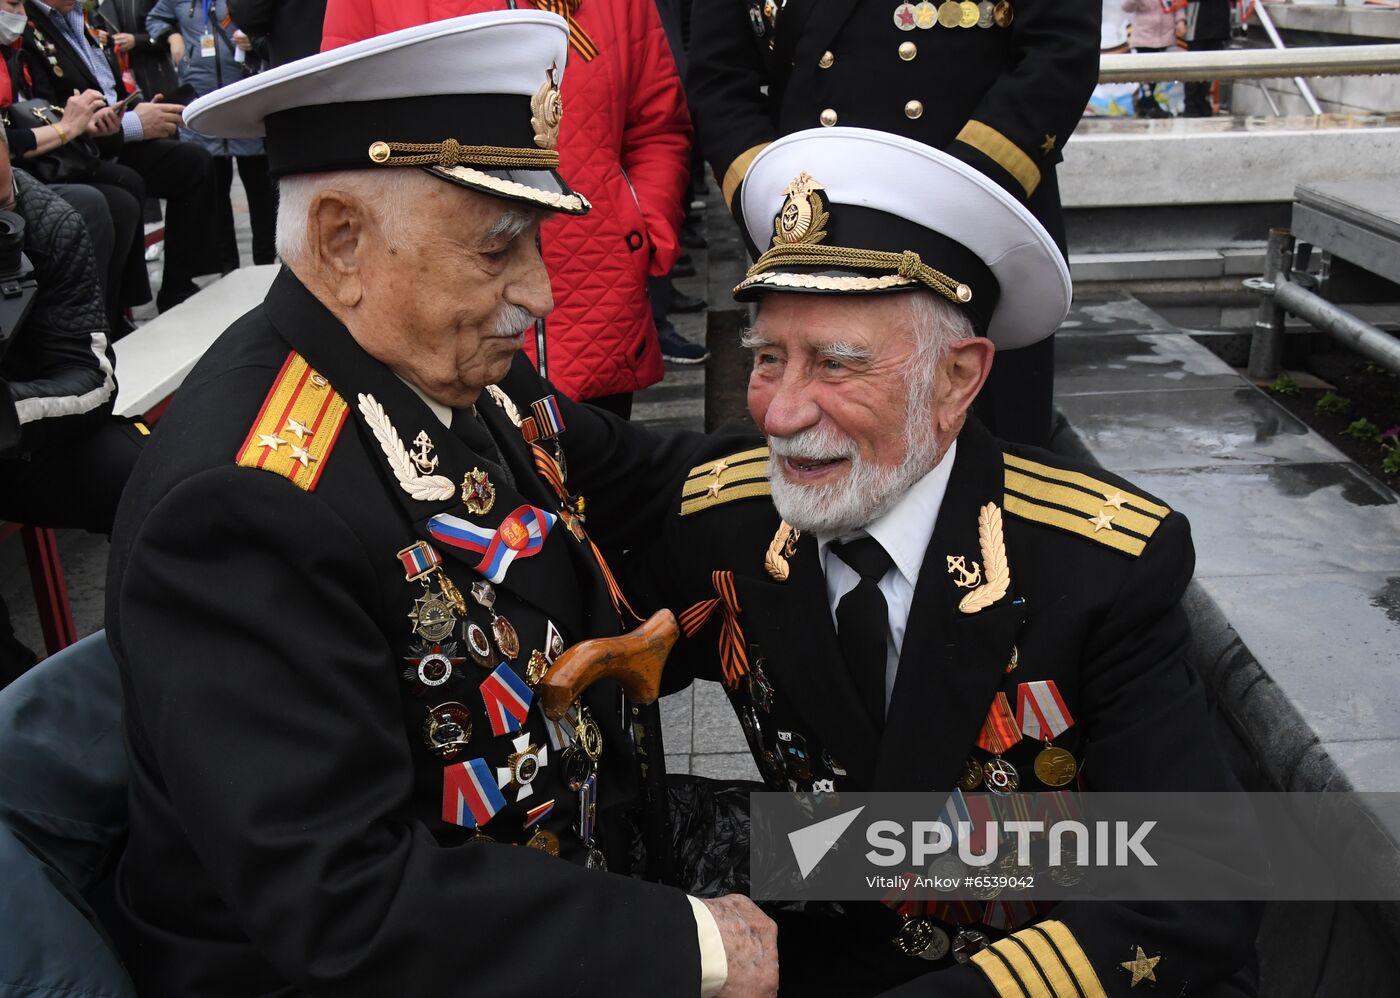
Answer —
(473, 100)
(857, 211)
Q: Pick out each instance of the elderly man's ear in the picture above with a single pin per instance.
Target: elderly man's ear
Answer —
(336, 227)
(963, 369)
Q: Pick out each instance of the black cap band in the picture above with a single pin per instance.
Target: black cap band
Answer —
(322, 137)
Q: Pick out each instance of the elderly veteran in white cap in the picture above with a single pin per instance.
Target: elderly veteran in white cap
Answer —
(896, 600)
(352, 552)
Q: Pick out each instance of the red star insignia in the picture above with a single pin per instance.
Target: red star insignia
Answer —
(906, 16)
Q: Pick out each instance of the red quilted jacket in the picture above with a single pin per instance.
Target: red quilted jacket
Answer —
(624, 144)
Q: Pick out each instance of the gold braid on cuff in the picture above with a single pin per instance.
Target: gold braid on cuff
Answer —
(907, 265)
(449, 153)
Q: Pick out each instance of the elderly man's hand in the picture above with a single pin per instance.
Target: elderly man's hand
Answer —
(160, 121)
(750, 947)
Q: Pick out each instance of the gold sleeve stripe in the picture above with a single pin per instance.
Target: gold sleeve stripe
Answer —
(730, 461)
(1090, 505)
(1090, 485)
(1032, 979)
(1074, 523)
(1002, 151)
(1073, 955)
(999, 975)
(734, 176)
(731, 476)
(1047, 960)
(300, 396)
(142, 428)
(748, 490)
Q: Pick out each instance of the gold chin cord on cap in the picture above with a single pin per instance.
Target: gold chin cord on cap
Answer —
(449, 153)
(907, 265)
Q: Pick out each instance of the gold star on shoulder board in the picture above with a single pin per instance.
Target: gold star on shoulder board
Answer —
(301, 430)
(269, 441)
(1101, 522)
(714, 488)
(1142, 967)
(1116, 500)
(1048, 145)
(303, 455)
(719, 468)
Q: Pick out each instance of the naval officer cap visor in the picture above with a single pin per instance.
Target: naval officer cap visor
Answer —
(851, 211)
(473, 100)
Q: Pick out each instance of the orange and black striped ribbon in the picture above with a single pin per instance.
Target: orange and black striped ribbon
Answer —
(733, 659)
(578, 38)
(554, 477)
(999, 730)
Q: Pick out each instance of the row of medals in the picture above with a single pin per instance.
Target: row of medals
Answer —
(952, 14)
(448, 727)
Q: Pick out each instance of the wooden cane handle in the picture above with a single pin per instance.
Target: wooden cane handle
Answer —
(634, 659)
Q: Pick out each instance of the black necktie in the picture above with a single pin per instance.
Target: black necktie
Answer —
(472, 430)
(862, 621)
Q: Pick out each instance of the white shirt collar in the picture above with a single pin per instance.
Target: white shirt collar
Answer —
(442, 412)
(904, 531)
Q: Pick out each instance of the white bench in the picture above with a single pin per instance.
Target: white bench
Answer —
(153, 360)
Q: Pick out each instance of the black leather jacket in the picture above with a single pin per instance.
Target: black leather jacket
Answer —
(58, 369)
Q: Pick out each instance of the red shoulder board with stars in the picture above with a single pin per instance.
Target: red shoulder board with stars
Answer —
(297, 426)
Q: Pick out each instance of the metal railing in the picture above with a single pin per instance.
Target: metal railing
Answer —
(1251, 64)
(1284, 293)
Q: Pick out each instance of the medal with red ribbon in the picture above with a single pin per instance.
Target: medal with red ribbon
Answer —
(1043, 715)
(999, 733)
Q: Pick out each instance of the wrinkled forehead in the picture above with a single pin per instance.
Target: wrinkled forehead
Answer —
(877, 324)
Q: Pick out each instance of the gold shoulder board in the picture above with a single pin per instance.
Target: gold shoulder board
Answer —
(734, 476)
(299, 422)
(1081, 505)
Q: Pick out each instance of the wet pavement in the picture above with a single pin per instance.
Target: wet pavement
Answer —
(1297, 546)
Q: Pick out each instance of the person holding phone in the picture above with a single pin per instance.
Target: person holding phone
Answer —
(144, 155)
(209, 53)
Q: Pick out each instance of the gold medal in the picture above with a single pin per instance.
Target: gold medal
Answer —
(971, 778)
(1055, 767)
(478, 494)
(1003, 14)
(969, 14)
(535, 668)
(589, 736)
(999, 776)
(950, 14)
(925, 15)
(545, 841)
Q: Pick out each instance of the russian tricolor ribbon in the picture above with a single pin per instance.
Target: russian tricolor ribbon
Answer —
(520, 535)
(507, 700)
(418, 560)
(1041, 711)
(470, 797)
(538, 813)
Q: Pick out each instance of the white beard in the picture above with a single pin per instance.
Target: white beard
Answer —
(865, 493)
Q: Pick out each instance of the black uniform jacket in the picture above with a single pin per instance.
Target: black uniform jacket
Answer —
(287, 816)
(1097, 611)
(1004, 99)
